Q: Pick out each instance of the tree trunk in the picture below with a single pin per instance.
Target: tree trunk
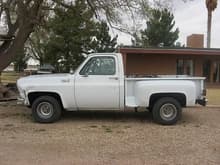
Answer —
(28, 15)
(209, 26)
(17, 44)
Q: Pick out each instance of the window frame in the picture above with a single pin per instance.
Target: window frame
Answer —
(92, 58)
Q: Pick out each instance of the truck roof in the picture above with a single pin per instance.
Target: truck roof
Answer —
(105, 54)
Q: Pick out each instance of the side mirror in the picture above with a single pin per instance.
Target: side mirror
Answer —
(85, 75)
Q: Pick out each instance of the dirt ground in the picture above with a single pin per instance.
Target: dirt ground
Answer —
(109, 138)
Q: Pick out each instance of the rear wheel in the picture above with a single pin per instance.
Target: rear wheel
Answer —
(167, 111)
(46, 109)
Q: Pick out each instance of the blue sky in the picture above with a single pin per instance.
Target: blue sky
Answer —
(190, 17)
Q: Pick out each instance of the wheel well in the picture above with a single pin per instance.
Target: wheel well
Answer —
(181, 98)
(34, 95)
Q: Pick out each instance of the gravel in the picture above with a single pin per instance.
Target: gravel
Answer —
(109, 138)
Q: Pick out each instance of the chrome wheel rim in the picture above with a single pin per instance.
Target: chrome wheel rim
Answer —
(168, 112)
(45, 110)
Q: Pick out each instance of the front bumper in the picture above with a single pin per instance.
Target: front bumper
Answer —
(20, 100)
(202, 102)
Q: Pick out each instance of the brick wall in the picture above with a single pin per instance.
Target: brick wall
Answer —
(195, 41)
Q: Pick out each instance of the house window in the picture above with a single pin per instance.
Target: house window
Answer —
(189, 67)
(185, 67)
(180, 67)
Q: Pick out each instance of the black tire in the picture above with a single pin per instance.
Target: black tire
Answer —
(150, 109)
(46, 109)
(167, 111)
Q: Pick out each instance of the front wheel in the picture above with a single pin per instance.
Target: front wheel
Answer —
(167, 111)
(46, 109)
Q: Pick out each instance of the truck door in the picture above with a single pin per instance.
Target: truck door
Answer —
(97, 84)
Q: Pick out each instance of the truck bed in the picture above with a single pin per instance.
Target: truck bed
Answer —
(140, 87)
(145, 76)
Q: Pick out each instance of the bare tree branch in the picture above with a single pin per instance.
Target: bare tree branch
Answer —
(92, 8)
(8, 17)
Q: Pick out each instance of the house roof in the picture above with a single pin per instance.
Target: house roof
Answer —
(176, 51)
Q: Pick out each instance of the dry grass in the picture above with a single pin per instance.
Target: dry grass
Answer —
(9, 77)
(213, 95)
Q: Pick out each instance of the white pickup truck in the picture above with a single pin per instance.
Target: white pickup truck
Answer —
(99, 83)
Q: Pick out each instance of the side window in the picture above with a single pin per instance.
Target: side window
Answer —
(99, 66)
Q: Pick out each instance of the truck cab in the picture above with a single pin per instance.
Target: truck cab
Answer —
(99, 83)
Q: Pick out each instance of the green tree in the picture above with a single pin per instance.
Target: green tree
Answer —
(71, 30)
(69, 39)
(23, 16)
(102, 41)
(160, 30)
(35, 45)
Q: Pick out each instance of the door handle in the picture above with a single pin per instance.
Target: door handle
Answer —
(113, 78)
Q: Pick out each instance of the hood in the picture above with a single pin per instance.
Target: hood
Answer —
(45, 80)
(49, 75)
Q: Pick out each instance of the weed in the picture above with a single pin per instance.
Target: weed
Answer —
(93, 126)
(108, 130)
(9, 125)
